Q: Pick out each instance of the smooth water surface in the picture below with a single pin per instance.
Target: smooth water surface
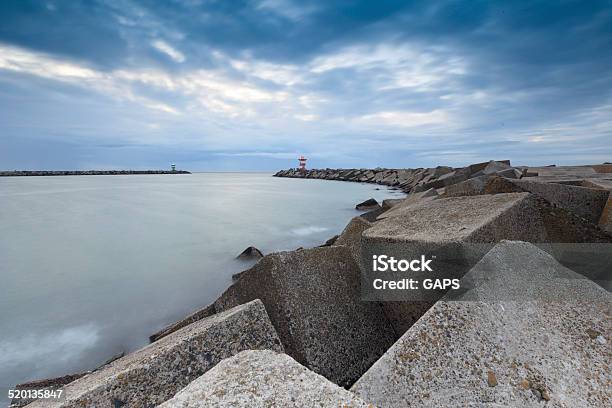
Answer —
(90, 266)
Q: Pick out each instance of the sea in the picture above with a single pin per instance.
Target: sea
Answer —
(90, 266)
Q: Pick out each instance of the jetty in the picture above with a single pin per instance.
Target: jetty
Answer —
(530, 246)
(21, 173)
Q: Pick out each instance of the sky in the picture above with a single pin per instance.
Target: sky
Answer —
(251, 85)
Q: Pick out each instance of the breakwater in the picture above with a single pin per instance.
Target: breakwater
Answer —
(416, 180)
(17, 173)
(498, 339)
(422, 179)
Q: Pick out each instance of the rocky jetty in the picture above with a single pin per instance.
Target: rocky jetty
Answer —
(156, 373)
(407, 179)
(531, 247)
(421, 179)
(17, 173)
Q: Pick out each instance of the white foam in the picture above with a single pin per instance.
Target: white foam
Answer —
(63, 345)
(304, 231)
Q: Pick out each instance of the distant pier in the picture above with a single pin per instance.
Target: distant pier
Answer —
(86, 172)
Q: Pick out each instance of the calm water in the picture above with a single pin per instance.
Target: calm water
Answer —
(92, 265)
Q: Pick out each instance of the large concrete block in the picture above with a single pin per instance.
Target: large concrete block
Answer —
(193, 317)
(598, 183)
(529, 333)
(313, 299)
(457, 232)
(603, 168)
(510, 173)
(351, 236)
(446, 220)
(368, 204)
(403, 175)
(476, 167)
(473, 186)
(441, 170)
(262, 379)
(390, 179)
(390, 203)
(605, 221)
(155, 373)
(587, 203)
(373, 214)
(454, 177)
(410, 200)
(482, 219)
(499, 185)
(494, 167)
(584, 202)
(563, 171)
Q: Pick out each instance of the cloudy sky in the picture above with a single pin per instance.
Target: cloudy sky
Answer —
(250, 85)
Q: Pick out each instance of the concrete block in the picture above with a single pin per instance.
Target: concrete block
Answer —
(403, 175)
(331, 241)
(602, 168)
(368, 204)
(605, 221)
(494, 167)
(449, 229)
(470, 187)
(441, 170)
(452, 219)
(390, 179)
(487, 218)
(477, 174)
(193, 317)
(390, 203)
(454, 177)
(597, 183)
(250, 253)
(372, 215)
(262, 379)
(313, 299)
(410, 200)
(476, 167)
(587, 203)
(510, 173)
(529, 333)
(379, 176)
(564, 171)
(351, 236)
(157, 372)
(500, 185)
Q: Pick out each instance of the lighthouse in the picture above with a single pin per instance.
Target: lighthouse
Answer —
(302, 161)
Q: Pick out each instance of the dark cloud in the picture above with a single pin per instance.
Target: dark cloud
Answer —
(367, 80)
(80, 30)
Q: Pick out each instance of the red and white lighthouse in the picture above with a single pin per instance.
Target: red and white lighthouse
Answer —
(302, 161)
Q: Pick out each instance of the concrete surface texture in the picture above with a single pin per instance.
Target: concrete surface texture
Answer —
(546, 343)
(261, 379)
